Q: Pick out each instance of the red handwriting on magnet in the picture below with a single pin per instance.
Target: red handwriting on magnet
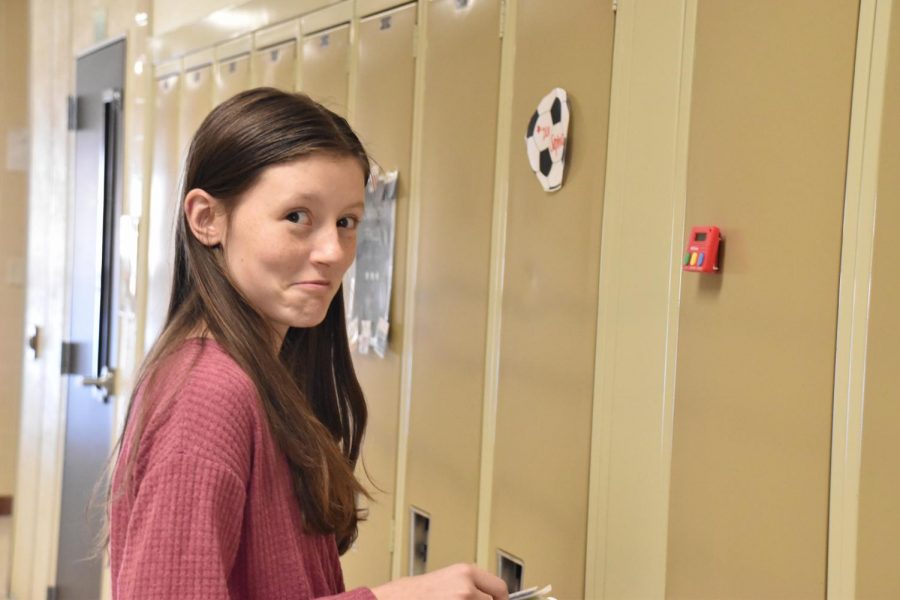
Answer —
(557, 142)
(543, 132)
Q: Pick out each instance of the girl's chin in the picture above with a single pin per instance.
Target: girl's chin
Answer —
(305, 321)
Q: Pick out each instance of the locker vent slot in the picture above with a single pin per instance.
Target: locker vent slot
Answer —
(510, 569)
(420, 523)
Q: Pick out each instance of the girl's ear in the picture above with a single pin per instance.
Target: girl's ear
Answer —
(205, 216)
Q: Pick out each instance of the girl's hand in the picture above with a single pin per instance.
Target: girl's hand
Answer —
(457, 582)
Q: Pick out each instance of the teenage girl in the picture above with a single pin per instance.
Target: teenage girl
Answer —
(235, 473)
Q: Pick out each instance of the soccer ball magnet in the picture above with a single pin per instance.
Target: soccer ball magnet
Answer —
(545, 139)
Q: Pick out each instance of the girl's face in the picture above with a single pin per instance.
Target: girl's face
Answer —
(292, 236)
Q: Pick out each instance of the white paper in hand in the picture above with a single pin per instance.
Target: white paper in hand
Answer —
(533, 593)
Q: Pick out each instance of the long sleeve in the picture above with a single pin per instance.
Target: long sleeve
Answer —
(184, 531)
(205, 509)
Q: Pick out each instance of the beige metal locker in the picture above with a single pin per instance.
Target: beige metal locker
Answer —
(196, 103)
(325, 61)
(232, 76)
(878, 545)
(163, 203)
(275, 66)
(385, 78)
(457, 183)
(756, 344)
(549, 308)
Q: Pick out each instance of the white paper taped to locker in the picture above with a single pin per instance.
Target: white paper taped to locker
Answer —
(370, 282)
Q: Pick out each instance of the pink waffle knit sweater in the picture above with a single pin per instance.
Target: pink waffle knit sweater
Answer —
(212, 514)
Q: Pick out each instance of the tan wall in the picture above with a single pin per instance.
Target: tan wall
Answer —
(878, 550)
(13, 220)
(97, 20)
(171, 14)
(36, 486)
(755, 375)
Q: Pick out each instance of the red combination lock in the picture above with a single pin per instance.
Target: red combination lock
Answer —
(702, 252)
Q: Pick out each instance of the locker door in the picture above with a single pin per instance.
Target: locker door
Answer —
(196, 102)
(457, 175)
(878, 546)
(549, 309)
(324, 68)
(192, 100)
(232, 76)
(384, 97)
(163, 203)
(274, 66)
(748, 506)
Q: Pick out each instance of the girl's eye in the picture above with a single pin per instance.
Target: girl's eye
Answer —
(348, 222)
(298, 216)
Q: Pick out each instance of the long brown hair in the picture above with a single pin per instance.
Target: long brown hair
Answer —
(310, 394)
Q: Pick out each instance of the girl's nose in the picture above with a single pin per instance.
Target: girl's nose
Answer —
(327, 248)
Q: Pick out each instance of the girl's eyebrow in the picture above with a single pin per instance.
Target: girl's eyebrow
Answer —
(314, 197)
